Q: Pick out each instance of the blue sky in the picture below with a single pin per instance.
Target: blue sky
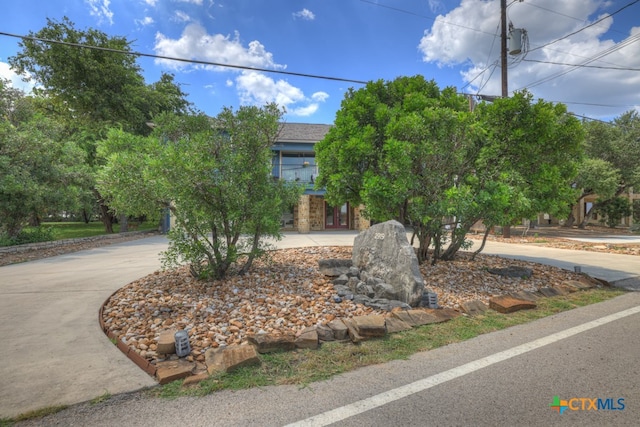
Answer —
(456, 43)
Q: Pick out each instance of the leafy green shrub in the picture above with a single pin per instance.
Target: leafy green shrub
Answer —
(33, 235)
(614, 210)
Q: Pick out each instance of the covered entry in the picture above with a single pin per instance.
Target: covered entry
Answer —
(336, 216)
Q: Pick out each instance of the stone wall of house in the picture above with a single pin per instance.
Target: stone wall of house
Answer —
(358, 222)
(316, 213)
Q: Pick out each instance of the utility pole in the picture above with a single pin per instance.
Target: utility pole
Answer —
(506, 229)
(503, 47)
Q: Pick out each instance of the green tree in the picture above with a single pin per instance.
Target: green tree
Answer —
(93, 90)
(214, 175)
(614, 210)
(40, 171)
(407, 150)
(536, 148)
(403, 149)
(617, 147)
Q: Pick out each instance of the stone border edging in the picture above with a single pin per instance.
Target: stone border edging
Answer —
(142, 363)
(56, 243)
(152, 370)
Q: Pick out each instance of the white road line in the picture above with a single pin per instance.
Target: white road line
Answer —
(378, 400)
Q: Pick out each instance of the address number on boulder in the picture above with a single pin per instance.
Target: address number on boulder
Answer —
(378, 236)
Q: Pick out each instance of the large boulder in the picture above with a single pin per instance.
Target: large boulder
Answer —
(383, 251)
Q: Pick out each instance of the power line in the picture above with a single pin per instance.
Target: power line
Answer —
(190, 61)
(588, 61)
(588, 26)
(431, 18)
(582, 66)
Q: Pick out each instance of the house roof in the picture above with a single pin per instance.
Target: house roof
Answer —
(302, 132)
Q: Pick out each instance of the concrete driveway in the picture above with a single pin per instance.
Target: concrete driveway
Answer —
(53, 351)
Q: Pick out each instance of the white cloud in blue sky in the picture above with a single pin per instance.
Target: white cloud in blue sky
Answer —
(101, 10)
(305, 14)
(455, 43)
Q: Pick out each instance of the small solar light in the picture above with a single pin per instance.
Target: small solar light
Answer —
(577, 269)
(429, 300)
(182, 343)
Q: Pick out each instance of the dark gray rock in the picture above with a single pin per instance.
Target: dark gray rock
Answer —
(334, 267)
(383, 251)
(342, 290)
(341, 280)
(363, 289)
(353, 272)
(512, 271)
(385, 290)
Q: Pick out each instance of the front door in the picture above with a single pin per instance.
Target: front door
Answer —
(336, 216)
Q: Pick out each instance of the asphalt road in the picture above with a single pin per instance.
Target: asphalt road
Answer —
(507, 378)
(53, 352)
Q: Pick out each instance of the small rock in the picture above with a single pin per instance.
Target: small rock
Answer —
(474, 308)
(340, 331)
(549, 292)
(508, 304)
(393, 325)
(370, 326)
(166, 342)
(308, 338)
(169, 371)
(266, 343)
(230, 358)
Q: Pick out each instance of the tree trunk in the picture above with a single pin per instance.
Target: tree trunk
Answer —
(506, 231)
(571, 219)
(484, 240)
(124, 223)
(106, 216)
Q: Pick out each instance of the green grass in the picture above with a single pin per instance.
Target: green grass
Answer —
(102, 398)
(74, 230)
(38, 413)
(302, 367)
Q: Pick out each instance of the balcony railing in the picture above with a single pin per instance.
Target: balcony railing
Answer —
(306, 174)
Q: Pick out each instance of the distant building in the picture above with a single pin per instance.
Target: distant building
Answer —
(294, 160)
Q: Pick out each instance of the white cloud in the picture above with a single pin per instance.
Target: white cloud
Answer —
(196, 43)
(229, 83)
(451, 40)
(198, 2)
(320, 96)
(147, 20)
(100, 9)
(180, 16)
(305, 14)
(151, 3)
(258, 89)
(16, 81)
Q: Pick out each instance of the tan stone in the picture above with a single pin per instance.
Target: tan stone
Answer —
(579, 285)
(229, 358)
(195, 379)
(370, 326)
(268, 343)
(474, 308)
(394, 325)
(308, 338)
(416, 317)
(340, 331)
(353, 332)
(172, 370)
(508, 304)
(549, 292)
(166, 342)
